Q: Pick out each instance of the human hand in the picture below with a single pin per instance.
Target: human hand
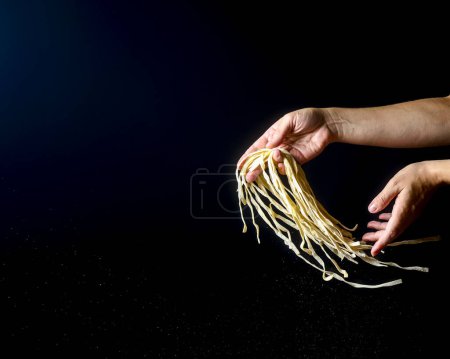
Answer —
(304, 133)
(411, 187)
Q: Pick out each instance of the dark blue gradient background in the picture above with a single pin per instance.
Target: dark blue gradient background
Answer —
(108, 108)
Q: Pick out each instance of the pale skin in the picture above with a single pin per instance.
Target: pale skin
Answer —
(423, 123)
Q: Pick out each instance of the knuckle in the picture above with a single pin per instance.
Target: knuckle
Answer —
(381, 199)
(412, 166)
(394, 182)
(289, 116)
(307, 112)
(391, 235)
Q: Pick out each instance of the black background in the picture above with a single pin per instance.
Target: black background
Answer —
(106, 111)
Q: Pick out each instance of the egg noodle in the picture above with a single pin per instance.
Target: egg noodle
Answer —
(324, 241)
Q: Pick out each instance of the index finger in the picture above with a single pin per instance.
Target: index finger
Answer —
(257, 145)
(397, 223)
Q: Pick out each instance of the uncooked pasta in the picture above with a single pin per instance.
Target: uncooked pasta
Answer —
(322, 241)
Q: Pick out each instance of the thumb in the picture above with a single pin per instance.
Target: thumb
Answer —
(280, 131)
(385, 197)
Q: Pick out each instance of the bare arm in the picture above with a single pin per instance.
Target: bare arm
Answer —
(306, 132)
(421, 123)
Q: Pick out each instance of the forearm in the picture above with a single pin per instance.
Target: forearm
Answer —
(421, 123)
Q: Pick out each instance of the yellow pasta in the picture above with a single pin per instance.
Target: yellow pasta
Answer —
(324, 242)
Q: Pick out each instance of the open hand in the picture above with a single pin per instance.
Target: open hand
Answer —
(304, 133)
(411, 187)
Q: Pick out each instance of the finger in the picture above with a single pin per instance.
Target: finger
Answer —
(372, 236)
(299, 156)
(277, 155)
(396, 225)
(385, 216)
(281, 169)
(385, 197)
(257, 145)
(378, 246)
(281, 129)
(252, 175)
(393, 229)
(377, 225)
(387, 237)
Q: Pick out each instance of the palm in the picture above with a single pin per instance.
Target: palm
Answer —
(306, 145)
(306, 135)
(303, 133)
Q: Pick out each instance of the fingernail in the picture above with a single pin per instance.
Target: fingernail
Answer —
(372, 208)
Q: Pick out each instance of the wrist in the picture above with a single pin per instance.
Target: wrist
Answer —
(336, 124)
(439, 171)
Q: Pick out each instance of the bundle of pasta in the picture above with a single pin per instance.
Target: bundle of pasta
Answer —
(295, 206)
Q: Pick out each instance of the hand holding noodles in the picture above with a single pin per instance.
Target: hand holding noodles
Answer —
(295, 206)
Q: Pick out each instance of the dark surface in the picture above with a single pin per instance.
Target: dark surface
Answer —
(107, 110)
